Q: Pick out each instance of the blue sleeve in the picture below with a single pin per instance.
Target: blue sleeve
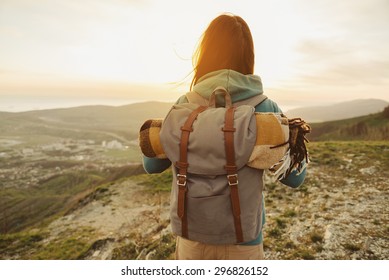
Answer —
(155, 165)
(295, 179)
(268, 106)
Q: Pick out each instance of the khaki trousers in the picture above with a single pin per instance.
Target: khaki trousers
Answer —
(193, 250)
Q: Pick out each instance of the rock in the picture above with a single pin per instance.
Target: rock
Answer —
(367, 244)
(96, 253)
(327, 234)
(368, 170)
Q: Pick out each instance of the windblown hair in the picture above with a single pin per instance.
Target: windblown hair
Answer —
(226, 44)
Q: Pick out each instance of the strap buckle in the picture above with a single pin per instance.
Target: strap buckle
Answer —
(181, 180)
(232, 179)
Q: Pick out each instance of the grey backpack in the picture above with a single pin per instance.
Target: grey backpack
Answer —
(216, 198)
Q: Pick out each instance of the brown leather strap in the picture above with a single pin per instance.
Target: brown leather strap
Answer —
(226, 95)
(181, 210)
(182, 166)
(232, 171)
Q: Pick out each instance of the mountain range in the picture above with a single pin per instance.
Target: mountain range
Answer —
(339, 111)
(123, 122)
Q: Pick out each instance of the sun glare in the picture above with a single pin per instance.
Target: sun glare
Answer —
(152, 42)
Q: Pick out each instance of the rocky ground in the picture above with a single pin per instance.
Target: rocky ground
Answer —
(126, 219)
(341, 212)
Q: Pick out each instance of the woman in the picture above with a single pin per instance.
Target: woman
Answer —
(225, 57)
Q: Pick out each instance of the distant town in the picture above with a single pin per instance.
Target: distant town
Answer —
(23, 167)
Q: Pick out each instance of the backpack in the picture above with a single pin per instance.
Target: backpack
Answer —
(216, 197)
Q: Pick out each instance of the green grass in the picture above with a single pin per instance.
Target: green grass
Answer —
(156, 182)
(72, 245)
(373, 127)
(361, 153)
(290, 213)
(316, 237)
(24, 207)
(21, 208)
(32, 245)
(352, 247)
(131, 154)
(19, 243)
(281, 223)
(305, 254)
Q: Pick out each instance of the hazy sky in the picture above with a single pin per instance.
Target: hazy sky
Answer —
(120, 51)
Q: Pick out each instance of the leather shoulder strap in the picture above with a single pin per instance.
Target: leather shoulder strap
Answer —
(182, 166)
(232, 171)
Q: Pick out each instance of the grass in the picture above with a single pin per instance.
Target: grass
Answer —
(156, 182)
(352, 247)
(73, 247)
(289, 213)
(334, 166)
(70, 245)
(161, 249)
(275, 232)
(334, 154)
(316, 237)
(17, 243)
(284, 206)
(281, 223)
(22, 208)
(305, 254)
(371, 127)
(131, 154)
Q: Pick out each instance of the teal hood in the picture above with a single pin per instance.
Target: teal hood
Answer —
(238, 85)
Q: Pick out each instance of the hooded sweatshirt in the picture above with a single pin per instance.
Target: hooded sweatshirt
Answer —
(239, 86)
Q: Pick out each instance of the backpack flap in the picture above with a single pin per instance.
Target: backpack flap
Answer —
(206, 151)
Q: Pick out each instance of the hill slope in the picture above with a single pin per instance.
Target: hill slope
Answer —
(332, 216)
(339, 111)
(371, 127)
(121, 121)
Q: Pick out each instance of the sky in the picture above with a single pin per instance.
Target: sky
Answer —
(61, 53)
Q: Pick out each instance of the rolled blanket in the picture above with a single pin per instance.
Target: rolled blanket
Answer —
(271, 141)
(280, 142)
(149, 140)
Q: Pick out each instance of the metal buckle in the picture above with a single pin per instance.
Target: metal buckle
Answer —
(229, 177)
(183, 184)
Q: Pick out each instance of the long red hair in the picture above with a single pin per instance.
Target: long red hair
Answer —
(226, 44)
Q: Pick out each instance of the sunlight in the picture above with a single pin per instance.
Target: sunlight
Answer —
(152, 42)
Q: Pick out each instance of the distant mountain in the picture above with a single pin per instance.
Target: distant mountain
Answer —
(339, 111)
(121, 121)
